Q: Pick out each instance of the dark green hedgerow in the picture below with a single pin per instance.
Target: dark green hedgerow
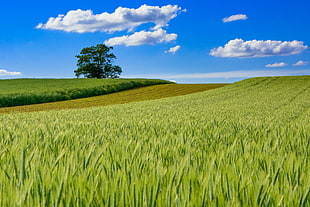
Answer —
(18, 99)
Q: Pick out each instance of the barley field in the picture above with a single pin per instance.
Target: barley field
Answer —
(245, 144)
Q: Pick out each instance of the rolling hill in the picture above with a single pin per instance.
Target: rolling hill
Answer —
(133, 95)
(17, 92)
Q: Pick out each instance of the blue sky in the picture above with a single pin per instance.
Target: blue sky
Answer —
(185, 41)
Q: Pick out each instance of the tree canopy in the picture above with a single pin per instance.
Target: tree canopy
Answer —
(96, 62)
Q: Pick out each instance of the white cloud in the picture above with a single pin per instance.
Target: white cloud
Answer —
(275, 65)
(300, 63)
(173, 50)
(141, 38)
(7, 73)
(229, 74)
(235, 18)
(122, 19)
(258, 48)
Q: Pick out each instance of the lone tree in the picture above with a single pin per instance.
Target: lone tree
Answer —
(96, 62)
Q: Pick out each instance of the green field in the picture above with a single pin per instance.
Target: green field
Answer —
(245, 144)
(133, 95)
(16, 92)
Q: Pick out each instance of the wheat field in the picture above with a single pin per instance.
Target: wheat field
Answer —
(245, 144)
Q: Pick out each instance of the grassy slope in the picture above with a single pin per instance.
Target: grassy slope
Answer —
(33, 86)
(17, 92)
(140, 94)
(246, 144)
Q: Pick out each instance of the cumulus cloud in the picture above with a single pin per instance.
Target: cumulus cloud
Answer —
(300, 63)
(275, 65)
(173, 50)
(141, 38)
(235, 18)
(121, 19)
(258, 48)
(7, 73)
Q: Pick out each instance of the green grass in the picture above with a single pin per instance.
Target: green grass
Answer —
(133, 95)
(18, 92)
(246, 144)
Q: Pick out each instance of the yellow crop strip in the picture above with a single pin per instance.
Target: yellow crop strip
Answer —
(140, 94)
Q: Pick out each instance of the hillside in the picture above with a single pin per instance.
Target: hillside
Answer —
(245, 144)
(16, 92)
(133, 95)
